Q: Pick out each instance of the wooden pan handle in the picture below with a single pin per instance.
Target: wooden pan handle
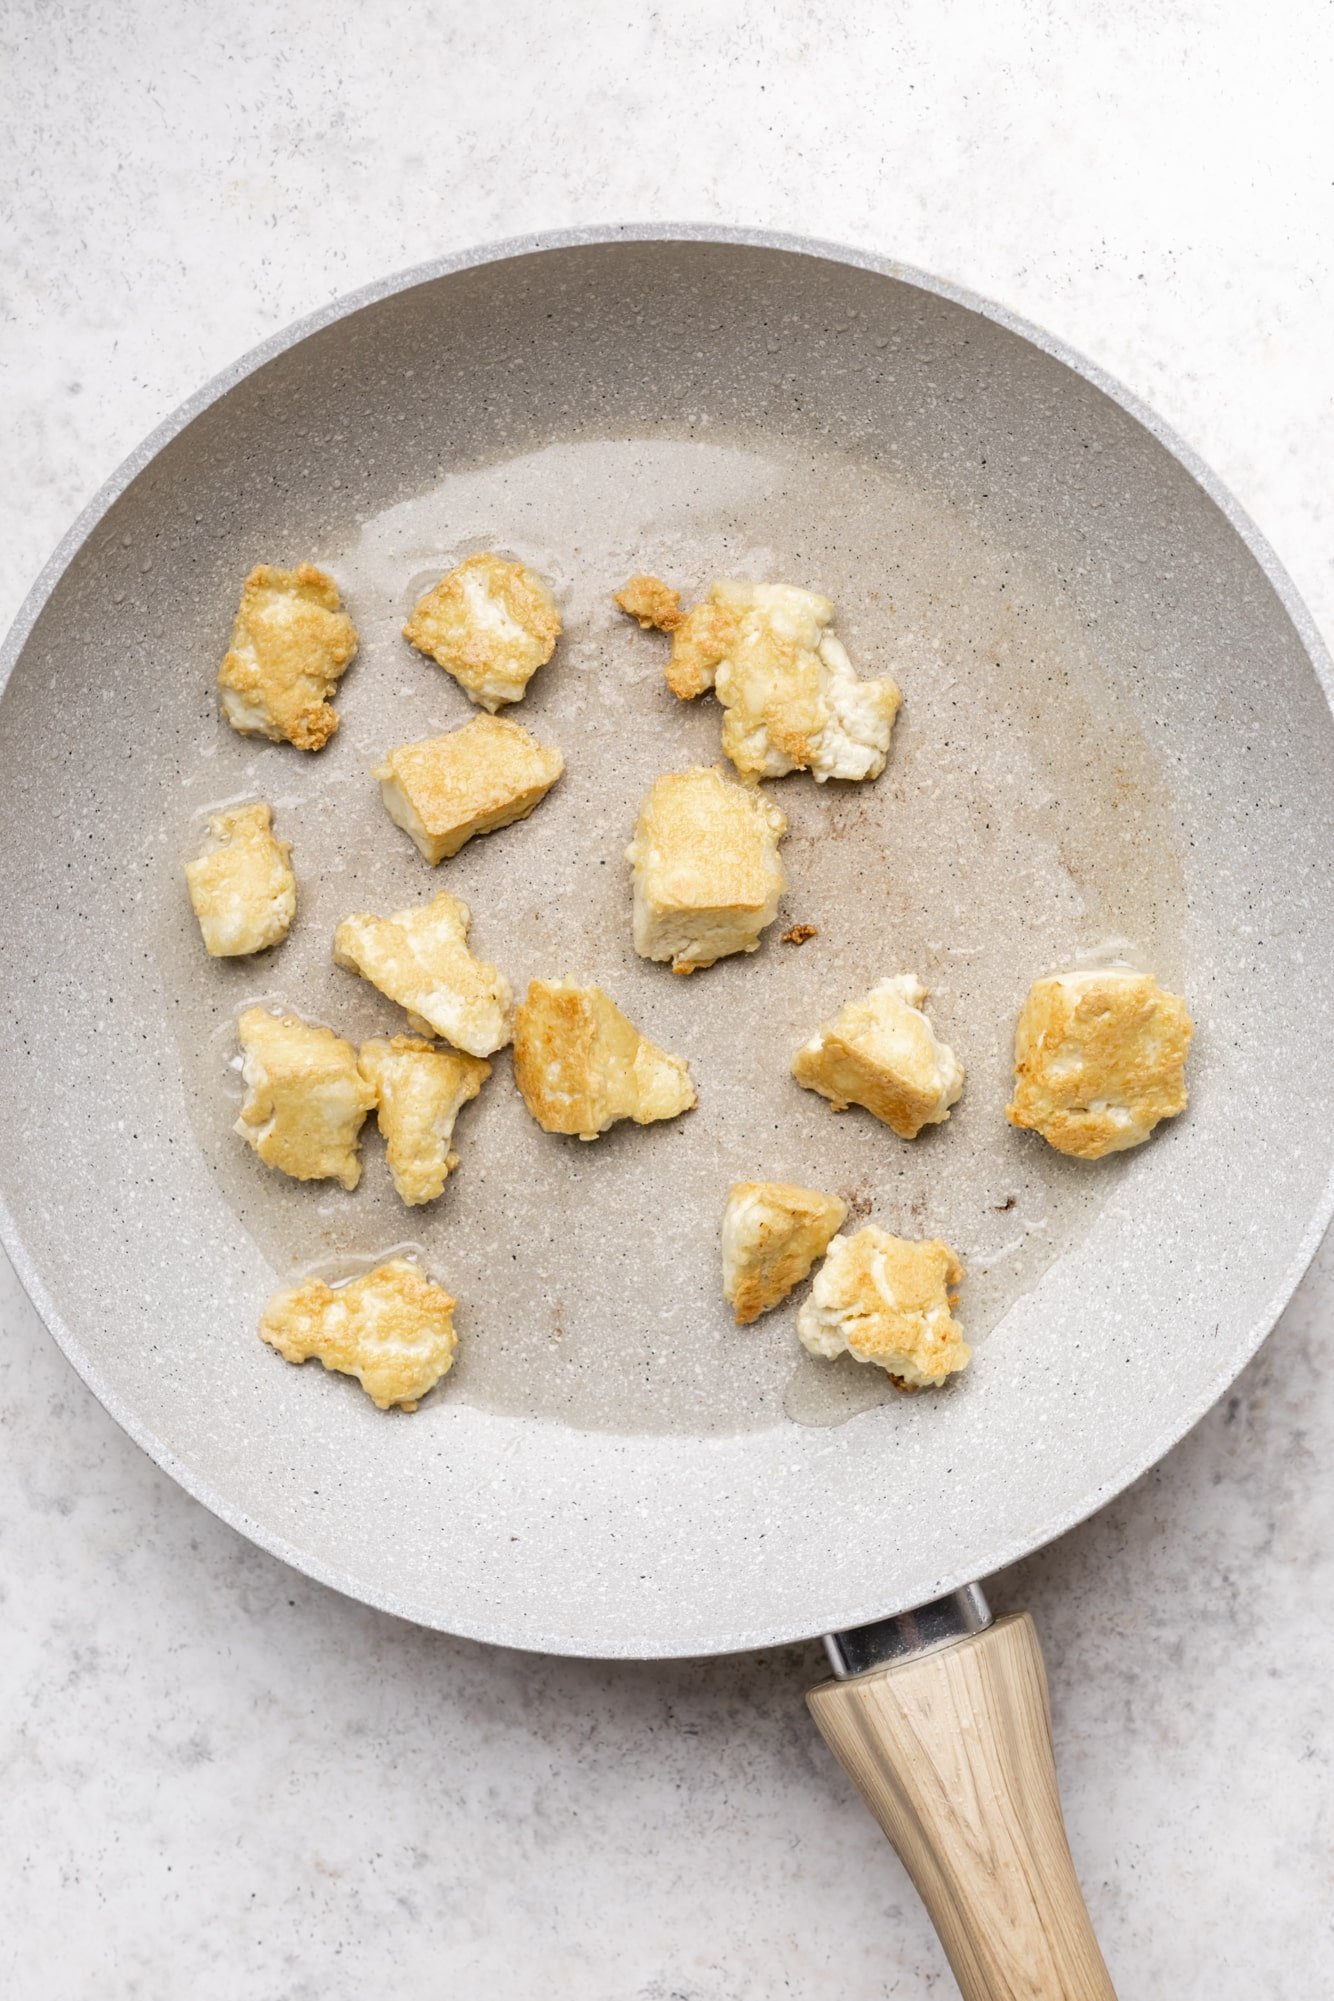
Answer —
(952, 1753)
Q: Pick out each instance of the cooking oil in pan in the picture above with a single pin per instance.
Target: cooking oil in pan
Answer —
(1021, 826)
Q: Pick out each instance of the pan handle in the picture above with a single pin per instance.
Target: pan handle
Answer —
(951, 1749)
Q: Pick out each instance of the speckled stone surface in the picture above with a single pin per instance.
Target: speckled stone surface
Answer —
(221, 1779)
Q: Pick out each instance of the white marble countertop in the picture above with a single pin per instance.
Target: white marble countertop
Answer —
(220, 1780)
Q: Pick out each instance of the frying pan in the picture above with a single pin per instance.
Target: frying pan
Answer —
(1116, 744)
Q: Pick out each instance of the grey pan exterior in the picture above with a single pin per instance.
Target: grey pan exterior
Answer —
(591, 1542)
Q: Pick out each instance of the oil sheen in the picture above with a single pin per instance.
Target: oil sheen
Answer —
(1022, 826)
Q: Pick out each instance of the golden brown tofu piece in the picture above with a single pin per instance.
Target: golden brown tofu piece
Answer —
(655, 605)
(773, 1232)
(306, 1100)
(469, 781)
(290, 643)
(792, 699)
(888, 1300)
(393, 1330)
(881, 1052)
(241, 883)
(1099, 1060)
(420, 1090)
(420, 959)
(581, 1065)
(489, 623)
(707, 877)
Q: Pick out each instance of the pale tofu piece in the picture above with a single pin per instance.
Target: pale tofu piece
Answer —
(241, 883)
(793, 701)
(882, 1053)
(888, 1300)
(707, 877)
(306, 1100)
(290, 643)
(581, 1065)
(420, 1089)
(1099, 1060)
(393, 1330)
(653, 603)
(773, 1232)
(469, 781)
(420, 959)
(489, 623)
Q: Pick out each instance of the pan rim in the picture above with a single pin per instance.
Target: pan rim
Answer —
(537, 243)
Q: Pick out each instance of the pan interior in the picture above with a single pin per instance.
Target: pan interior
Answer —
(1112, 745)
(589, 1275)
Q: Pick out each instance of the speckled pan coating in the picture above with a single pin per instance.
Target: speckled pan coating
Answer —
(1155, 642)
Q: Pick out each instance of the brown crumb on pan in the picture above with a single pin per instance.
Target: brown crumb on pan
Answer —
(858, 1205)
(652, 602)
(800, 934)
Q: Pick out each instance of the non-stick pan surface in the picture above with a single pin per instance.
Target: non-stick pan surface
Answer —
(1115, 743)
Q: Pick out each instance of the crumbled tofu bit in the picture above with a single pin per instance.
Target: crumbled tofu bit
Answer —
(420, 959)
(707, 875)
(1099, 1060)
(773, 1233)
(888, 1300)
(241, 883)
(393, 1330)
(581, 1065)
(290, 643)
(470, 781)
(655, 604)
(306, 1100)
(489, 623)
(420, 1090)
(882, 1053)
(703, 640)
(792, 699)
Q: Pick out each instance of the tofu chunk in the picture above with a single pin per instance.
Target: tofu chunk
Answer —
(290, 643)
(773, 1233)
(707, 875)
(420, 1090)
(1099, 1060)
(792, 699)
(306, 1100)
(241, 883)
(581, 1065)
(882, 1053)
(420, 959)
(393, 1330)
(489, 623)
(652, 602)
(888, 1300)
(469, 781)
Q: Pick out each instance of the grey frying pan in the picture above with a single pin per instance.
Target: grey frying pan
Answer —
(1116, 743)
